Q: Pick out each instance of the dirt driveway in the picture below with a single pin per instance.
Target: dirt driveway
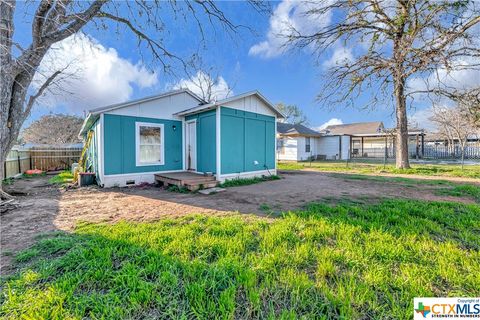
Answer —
(47, 208)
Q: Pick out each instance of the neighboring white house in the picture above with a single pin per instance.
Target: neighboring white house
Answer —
(296, 142)
(373, 140)
(342, 142)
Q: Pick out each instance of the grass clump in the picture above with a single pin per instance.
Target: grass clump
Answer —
(62, 178)
(33, 175)
(179, 189)
(7, 181)
(238, 182)
(345, 261)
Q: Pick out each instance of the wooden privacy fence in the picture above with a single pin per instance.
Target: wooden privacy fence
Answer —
(18, 160)
(43, 158)
(54, 158)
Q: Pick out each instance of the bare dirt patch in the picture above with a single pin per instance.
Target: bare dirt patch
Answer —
(46, 208)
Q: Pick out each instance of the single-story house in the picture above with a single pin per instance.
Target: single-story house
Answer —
(177, 131)
(296, 142)
(342, 142)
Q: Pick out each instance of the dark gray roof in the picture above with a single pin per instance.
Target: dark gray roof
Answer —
(288, 129)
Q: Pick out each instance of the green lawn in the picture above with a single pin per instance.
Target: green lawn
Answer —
(375, 167)
(344, 261)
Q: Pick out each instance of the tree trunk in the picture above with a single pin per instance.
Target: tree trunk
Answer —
(6, 32)
(402, 124)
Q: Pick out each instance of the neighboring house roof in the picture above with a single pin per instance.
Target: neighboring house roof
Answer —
(215, 104)
(287, 129)
(359, 128)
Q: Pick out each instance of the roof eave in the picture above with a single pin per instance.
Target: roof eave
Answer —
(87, 124)
(146, 99)
(224, 101)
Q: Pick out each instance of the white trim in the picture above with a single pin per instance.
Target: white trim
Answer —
(137, 144)
(120, 180)
(275, 144)
(185, 145)
(142, 100)
(101, 151)
(139, 173)
(218, 142)
(249, 174)
(203, 107)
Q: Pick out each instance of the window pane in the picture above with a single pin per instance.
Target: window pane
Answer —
(149, 135)
(150, 154)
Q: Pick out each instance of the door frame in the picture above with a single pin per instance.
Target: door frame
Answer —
(187, 142)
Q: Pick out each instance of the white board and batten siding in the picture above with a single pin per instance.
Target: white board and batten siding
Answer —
(334, 147)
(289, 151)
(345, 147)
(302, 155)
(250, 104)
(160, 108)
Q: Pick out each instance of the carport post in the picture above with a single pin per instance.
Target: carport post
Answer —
(385, 154)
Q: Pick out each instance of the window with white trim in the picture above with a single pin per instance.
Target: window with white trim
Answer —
(281, 145)
(149, 140)
(307, 144)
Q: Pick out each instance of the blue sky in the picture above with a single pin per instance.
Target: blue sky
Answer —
(117, 71)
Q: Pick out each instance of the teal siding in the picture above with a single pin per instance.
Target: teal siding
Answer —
(119, 145)
(246, 137)
(206, 140)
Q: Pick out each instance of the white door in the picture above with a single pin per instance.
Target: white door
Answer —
(191, 146)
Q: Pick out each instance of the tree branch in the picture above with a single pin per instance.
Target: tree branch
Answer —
(43, 87)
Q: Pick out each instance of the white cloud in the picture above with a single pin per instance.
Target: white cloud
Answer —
(287, 15)
(94, 75)
(421, 119)
(340, 56)
(331, 122)
(460, 76)
(205, 87)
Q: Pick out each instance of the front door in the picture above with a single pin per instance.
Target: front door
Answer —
(191, 145)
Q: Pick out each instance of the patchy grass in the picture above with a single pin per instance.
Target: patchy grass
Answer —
(402, 180)
(62, 178)
(344, 261)
(467, 190)
(442, 187)
(372, 168)
(237, 182)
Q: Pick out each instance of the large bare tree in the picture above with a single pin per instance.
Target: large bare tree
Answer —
(389, 42)
(54, 21)
(53, 129)
(205, 81)
(456, 124)
(293, 114)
